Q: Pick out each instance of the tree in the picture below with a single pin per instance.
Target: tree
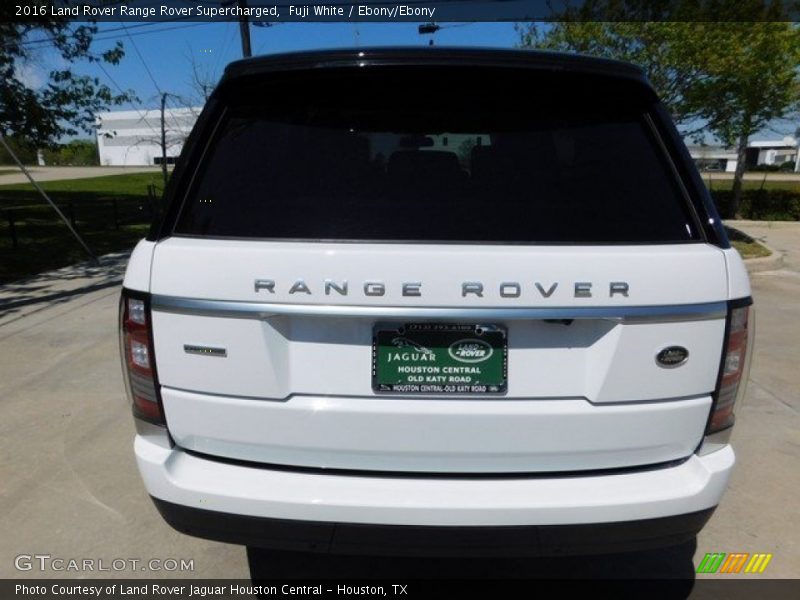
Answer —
(751, 82)
(661, 49)
(202, 79)
(24, 151)
(66, 102)
(727, 78)
(73, 153)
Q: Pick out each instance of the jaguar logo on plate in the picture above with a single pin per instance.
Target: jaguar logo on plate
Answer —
(470, 351)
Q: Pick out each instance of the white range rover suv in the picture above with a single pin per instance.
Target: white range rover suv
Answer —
(436, 301)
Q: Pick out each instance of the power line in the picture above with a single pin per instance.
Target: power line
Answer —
(143, 61)
(121, 91)
(41, 43)
(106, 31)
(227, 38)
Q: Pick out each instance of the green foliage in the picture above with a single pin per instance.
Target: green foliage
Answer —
(111, 213)
(749, 79)
(665, 51)
(465, 151)
(786, 167)
(734, 76)
(75, 153)
(67, 101)
(746, 245)
(729, 78)
(23, 149)
(761, 205)
(109, 186)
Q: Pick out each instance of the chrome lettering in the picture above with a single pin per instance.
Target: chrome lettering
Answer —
(299, 286)
(412, 289)
(618, 287)
(374, 288)
(510, 290)
(547, 293)
(265, 284)
(472, 287)
(331, 285)
(583, 289)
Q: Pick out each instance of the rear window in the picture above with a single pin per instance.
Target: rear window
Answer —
(439, 155)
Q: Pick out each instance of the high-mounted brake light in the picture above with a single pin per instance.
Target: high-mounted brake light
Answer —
(734, 369)
(136, 345)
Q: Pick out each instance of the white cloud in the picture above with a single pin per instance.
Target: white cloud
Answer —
(30, 75)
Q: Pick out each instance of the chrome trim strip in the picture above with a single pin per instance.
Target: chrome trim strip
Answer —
(265, 310)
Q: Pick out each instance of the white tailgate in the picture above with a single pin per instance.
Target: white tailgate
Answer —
(295, 385)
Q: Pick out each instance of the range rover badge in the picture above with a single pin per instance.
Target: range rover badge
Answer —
(672, 356)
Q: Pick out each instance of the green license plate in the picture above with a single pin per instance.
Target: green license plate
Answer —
(439, 358)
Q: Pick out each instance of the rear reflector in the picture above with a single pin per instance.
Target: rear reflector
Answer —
(136, 346)
(734, 368)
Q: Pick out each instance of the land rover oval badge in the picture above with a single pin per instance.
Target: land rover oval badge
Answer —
(672, 356)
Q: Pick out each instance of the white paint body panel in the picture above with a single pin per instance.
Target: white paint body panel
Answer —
(436, 435)
(137, 275)
(738, 280)
(275, 358)
(227, 269)
(175, 476)
(297, 389)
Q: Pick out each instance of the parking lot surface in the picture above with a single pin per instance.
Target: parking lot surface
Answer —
(69, 486)
(760, 511)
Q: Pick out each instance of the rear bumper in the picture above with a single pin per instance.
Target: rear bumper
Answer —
(411, 540)
(428, 515)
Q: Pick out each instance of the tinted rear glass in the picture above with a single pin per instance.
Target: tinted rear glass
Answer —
(430, 154)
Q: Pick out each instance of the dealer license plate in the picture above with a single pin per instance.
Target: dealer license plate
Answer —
(439, 358)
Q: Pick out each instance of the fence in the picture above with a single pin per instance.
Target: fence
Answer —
(37, 221)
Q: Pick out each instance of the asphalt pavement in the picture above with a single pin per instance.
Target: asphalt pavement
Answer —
(69, 486)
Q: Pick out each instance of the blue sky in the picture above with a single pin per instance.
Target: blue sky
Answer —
(213, 45)
(165, 49)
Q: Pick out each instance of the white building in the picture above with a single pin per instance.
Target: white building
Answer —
(759, 152)
(714, 158)
(133, 137)
(772, 152)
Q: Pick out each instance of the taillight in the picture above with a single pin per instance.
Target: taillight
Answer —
(138, 360)
(732, 380)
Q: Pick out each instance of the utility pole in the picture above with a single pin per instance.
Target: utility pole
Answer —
(164, 138)
(244, 30)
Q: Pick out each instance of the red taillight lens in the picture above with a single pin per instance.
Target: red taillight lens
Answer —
(734, 369)
(137, 357)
